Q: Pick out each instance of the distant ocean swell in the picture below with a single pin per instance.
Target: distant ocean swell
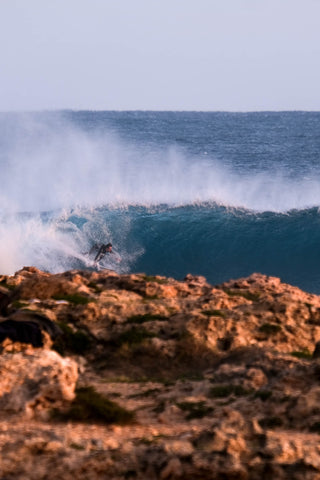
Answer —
(166, 210)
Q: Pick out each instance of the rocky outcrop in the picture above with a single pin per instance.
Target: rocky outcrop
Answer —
(33, 381)
(145, 377)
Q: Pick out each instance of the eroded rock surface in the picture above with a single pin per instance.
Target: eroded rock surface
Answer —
(33, 380)
(202, 382)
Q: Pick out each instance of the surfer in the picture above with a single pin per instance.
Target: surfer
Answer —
(100, 251)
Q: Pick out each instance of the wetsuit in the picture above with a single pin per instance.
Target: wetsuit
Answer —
(99, 252)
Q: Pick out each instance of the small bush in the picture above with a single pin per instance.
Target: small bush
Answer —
(195, 409)
(19, 305)
(270, 328)
(4, 283)
(254, 297)
(151, 278)
(76, 446)
(147, 317)
(77, 342)
(305, 354)
(74, 298)
(134, 336)
(221, 391)
(90, 405)
(213, 313)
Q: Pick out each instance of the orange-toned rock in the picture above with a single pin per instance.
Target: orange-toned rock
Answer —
(224, 381)
(34, 380)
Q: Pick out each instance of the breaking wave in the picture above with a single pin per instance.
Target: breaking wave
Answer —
(166, 210)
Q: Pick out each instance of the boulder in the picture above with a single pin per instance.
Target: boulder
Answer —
(27, 326)
(36, 380)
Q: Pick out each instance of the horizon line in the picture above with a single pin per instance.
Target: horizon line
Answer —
(76, 110)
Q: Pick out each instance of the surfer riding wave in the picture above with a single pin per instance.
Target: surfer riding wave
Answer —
(98, 252)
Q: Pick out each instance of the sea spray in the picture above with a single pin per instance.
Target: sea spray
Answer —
(173, 193)
(49, 163)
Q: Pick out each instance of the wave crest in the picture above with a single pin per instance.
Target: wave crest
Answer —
(48, 163)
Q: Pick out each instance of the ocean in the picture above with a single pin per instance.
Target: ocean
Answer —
(216, 194)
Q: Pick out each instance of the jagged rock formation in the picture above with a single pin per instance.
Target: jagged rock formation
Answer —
(131, 376)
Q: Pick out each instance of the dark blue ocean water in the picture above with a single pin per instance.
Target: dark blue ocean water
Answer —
(217, 194)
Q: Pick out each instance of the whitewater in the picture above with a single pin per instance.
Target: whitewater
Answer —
(215, 194)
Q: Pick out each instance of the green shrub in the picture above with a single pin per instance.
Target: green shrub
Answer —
(213, 313)
(76, 446)
(134, 336)
(254, 297)
(19, 305)
(75, 298)
(152, 278)
(147, 317)
(302, 354)
(89, 405)
(4, 283)
(270, 328)
(76, 342)
(195, 409)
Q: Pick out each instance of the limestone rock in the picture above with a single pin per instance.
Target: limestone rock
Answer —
(224, 380)
(34, 380)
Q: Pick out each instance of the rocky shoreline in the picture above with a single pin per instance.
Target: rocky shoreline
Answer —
(146, 377)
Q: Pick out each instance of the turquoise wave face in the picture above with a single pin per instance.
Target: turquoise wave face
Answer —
(217, 242)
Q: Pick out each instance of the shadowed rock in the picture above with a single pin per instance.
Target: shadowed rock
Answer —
(27, 327)
(5, 298)
(24, 332)
(43, 322)
(316, 353)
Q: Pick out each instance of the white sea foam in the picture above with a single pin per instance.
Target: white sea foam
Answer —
(56, 244)
(51, 164)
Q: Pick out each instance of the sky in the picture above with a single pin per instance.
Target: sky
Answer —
(231, 55)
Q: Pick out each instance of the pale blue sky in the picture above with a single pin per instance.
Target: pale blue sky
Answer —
(234, 55)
